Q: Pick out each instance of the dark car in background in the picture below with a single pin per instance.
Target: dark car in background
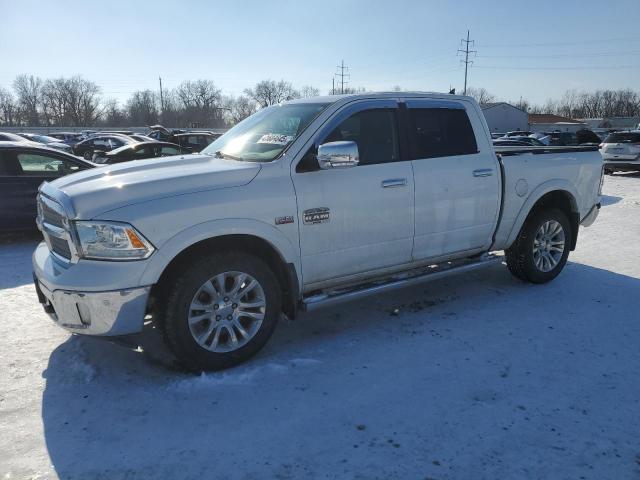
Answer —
(565, 139)
(70, 138)
(140, 151)
(48, 141)
(532, 142)
(504, 142)
(100, 143)
(196, 141)
(23, 167)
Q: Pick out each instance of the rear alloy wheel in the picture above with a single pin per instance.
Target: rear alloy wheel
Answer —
(542, 247)
(548, 246)
(221, 309)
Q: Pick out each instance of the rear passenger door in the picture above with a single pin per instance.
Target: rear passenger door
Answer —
(457, 178)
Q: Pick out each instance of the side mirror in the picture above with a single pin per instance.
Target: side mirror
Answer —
(338, 155)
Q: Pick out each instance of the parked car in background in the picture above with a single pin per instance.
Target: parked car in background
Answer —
(48, 141)
(621, 151)
(158, 132)
(517, 133)
(566, 139)
(23, 167)
(70, 138)
(12, 137)
(140, 138)
(496, 135)
(101, 143)
(113, 132)
(140, 151)
(507, 142)
(534, 142)
(196, 141)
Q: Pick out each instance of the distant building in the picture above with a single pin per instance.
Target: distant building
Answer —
(548, 122)
(618, 123)
(503, 117)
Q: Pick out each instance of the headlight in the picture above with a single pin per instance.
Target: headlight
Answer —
(111, 241)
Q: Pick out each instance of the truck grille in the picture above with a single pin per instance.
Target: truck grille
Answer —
(53, 223)
(50, 216)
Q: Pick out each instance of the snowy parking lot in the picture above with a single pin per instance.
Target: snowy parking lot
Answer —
(478, 376)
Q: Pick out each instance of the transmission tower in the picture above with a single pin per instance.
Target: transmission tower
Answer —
(342, 75)
(466, 43)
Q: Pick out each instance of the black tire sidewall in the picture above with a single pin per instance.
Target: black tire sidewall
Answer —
(87, 155)
(175, 321)
(532, 272)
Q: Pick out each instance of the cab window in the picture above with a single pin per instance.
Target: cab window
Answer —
(375, 132)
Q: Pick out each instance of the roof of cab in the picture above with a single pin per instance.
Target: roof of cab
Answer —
(373, 95)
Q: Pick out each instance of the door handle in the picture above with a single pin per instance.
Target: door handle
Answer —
(394, 182)
(483, 172)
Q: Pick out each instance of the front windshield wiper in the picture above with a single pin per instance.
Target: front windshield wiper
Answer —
(220, 154)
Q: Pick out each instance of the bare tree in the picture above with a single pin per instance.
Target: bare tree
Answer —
(308, 91)
(29, 92)
(142, 108)
(481, 95)
(8, 108)
(201, 101)
(240, 108)
(270, 92)
(112, 114)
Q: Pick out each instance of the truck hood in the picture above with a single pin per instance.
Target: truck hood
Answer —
(92, 192)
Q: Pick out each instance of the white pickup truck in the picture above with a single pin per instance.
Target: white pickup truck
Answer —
(303, 204)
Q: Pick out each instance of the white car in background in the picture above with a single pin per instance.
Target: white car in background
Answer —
(621, 151)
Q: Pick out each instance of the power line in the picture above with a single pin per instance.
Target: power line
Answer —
(342, 75)
(466, 60)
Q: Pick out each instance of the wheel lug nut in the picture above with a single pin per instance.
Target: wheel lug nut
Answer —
(234, 306)
(216, 306)
(218, 317)
(226, 299)
(228, 317)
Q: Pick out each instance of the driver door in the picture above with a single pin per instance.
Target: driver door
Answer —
(360, 219)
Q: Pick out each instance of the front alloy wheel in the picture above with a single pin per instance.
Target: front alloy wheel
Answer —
(227, 311)
(219, 309)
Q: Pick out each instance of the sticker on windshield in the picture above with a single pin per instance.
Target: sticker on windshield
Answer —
(275, 139)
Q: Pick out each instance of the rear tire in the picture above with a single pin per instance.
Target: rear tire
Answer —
(540, 251)
(88, 155)
(209, 327)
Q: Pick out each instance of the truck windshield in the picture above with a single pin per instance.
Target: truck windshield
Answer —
(264, 135)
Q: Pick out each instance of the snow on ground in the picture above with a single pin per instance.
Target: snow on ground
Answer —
(479, 376)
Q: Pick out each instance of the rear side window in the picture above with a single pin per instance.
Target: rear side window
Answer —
(440, 132)
(623, 137)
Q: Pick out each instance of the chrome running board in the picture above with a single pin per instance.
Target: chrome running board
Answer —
(334, 296)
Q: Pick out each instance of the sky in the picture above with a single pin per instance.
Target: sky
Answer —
(536, 50)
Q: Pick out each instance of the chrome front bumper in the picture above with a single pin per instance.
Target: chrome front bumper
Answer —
(118, 312)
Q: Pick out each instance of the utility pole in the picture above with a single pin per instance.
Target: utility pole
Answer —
(333, 85)
(161, 98)
(466, 60)
(341, 74)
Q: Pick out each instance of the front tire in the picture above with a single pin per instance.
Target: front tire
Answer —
(87, 155)
(221, 310)
(541, 249)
